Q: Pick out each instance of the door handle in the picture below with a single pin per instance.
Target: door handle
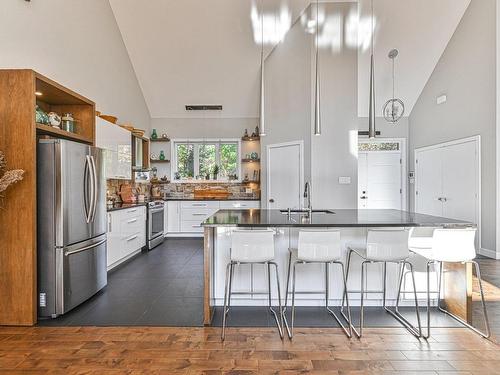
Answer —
(87, 201)
(84, 248)
(94, 188)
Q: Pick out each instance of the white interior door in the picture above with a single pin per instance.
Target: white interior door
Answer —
(429, 186)
(448, 180)
(460, 185)
(285, 175)
(380, 180)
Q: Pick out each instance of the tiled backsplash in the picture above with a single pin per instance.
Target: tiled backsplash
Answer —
(185, 190)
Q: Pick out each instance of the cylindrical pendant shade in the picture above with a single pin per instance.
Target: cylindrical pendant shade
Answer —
(317, 102)
(371, 113)
(262, 97)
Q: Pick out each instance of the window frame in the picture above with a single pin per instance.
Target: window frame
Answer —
(197, 142)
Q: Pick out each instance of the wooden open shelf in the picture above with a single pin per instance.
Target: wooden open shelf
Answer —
(160, 140)
(250, 139)
(58, 133)
(250, 160)
(159, 161)
(57, 98)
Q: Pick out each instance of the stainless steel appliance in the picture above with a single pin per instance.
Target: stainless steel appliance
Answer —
(71, 196)
(155, 233)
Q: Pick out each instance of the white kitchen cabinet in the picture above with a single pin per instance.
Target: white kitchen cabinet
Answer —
(126, 234)
(116, 143)
(173, 217)
(184, 218)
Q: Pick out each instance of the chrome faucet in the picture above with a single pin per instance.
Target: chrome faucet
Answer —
(307, 194)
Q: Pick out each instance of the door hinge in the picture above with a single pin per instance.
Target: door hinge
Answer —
(400, 191)
(400, 161)
(416, 161)
(416, 193)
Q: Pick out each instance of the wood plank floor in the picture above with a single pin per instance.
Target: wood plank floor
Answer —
(160, 350)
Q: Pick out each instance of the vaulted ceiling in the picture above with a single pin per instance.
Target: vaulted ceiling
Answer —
(207, 51)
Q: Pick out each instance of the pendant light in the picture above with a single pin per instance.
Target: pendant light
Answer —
(317, 102)
(371, 114)
(262, 132)
(394, 108)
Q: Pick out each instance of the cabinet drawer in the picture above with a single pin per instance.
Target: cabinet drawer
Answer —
(200, 204)
(227, 205)
(196, 214)
(191, 226)
(132, 225)
(132, 243)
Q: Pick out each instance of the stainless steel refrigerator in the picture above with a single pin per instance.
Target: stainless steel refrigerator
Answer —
(71, 196)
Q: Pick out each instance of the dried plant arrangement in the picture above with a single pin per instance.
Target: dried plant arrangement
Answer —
(8, 177)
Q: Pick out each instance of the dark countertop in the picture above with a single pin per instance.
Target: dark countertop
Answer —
(341, 218)
(210, 199)
(123, 206)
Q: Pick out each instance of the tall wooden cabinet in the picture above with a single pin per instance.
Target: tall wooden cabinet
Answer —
(18, 136)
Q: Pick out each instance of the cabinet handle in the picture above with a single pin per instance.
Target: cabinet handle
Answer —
(196, 226)
(199, 204)
(132, 238)
(131, 221)
(199, 214)
(109, 223)
(133, 210)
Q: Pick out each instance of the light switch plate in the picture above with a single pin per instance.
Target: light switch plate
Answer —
(344, 180)
(441, 99)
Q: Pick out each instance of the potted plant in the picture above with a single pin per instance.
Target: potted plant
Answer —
(215, 171)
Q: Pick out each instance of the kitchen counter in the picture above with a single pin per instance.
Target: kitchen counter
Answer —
(353, 226)
(124, 206)
(339, 218)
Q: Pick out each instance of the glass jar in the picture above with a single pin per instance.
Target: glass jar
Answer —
(68, 123)
(162, 155)
(154, 134)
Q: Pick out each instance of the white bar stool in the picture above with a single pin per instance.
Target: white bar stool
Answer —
(317, 247)
(386, 246)
(251, 247)
(454, 246)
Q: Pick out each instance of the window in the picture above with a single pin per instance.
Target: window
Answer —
(198, 159)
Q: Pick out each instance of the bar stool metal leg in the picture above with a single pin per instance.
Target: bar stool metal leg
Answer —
(396, 314)
(348, 332)
(285, 321)
(279, 322)
(227, 292)
(485, 334)
(293, 295)
(346, 295)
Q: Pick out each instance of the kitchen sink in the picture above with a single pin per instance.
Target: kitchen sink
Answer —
(306, 212)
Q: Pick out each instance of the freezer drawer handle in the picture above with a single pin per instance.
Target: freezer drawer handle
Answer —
(84, 248)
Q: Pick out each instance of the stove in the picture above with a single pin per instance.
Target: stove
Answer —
(155, 224)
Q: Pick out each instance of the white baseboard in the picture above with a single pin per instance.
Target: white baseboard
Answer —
(489, 253)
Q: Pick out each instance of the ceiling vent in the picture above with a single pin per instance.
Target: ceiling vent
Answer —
(203, 107)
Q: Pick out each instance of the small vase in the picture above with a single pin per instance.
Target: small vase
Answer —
(154, 134)
(162, 155)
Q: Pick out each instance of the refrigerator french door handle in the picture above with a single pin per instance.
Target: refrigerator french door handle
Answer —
(86, 204)
(93, 198)
(84, 248)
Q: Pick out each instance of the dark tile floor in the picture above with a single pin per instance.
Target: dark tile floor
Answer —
(164, 287)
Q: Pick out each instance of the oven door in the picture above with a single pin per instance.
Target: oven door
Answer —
(155, 222)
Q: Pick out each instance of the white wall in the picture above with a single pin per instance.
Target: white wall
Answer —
(466, 74)
(78, 44)
(288, 97)
(334, 153)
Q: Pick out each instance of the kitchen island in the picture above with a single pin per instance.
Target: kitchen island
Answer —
(353, 225)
